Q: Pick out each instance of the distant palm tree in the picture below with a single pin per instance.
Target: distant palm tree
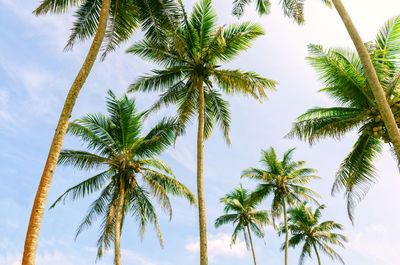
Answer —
(192, 58)
(108, 22)
(306, 229)
(241, 212)
(284, 180)
(130, 174)
(293, 9)
(346, 82)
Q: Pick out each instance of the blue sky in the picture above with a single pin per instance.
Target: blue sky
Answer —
(34, 78)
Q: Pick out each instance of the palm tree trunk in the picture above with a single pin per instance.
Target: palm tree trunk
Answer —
(32, 235)
(316, 252)
(200, 184)
(118, 220)
(286, 234)
(251, 244)
(379, 94)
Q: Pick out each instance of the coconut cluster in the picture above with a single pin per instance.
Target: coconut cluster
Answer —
(376, 127)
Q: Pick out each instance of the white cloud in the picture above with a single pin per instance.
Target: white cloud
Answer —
(219, 244)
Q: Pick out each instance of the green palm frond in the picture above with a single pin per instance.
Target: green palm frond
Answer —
(245, 83)
(129, 157)
(82, 159)
(341, 72)
(357, 172)
(85, 26)
(55, 6)
(318, 123)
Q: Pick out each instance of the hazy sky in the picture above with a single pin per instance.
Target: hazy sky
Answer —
(34, 78)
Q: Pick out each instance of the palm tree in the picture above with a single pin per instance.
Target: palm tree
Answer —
(305, 227)
(345, 81)
(109, 22)
(192, 72)
(382, 105)
(293, 9)
(284, 180)
(130, 174)
(241, 211)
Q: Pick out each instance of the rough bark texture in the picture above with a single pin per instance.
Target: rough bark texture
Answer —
(377, 90)
(286, 234)
(252, 246)
(200, 184)
(32, 235)
(118, 221)
(316, 252)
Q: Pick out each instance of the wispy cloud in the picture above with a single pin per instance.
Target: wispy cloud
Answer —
(219, 244)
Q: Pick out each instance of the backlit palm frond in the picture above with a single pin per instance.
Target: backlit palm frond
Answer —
(55, 6)
(123, 21)
(342, 75)
(318, 123)
(86, 187)
(203, 19)
(82, 160)
(238, 38)
(357, 172)
(85, 26)
(219, 109)
(245, 83)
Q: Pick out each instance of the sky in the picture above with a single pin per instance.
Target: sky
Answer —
(35, 75)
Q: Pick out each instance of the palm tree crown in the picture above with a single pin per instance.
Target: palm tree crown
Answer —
(241, 212)
(125, 17)
(192, 58)
(346, 82)
(306, 229)
(131, 177)
(282, 179)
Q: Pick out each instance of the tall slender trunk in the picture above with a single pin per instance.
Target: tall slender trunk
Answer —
(118, 220)
(377, 90)
(35, 221)
(316, 252)
(200, 181)
(252, 246)
(286, 234)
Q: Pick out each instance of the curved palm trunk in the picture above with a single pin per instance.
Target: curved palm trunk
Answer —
(118, 221)
(286, 234)
(251, 244)
(200, 184)
(32, 235)
(316, 252)
(377, 90)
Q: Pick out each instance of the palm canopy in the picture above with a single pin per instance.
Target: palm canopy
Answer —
(241, 212)
(126, 160)
(284, 180)
(191, 58)
(293, 9)
(125, 17)
(305, 228)
(345, 81)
